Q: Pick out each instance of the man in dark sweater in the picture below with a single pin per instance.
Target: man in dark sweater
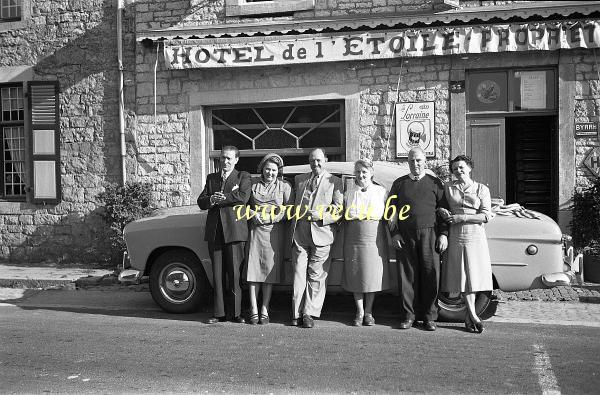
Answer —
(418, 239)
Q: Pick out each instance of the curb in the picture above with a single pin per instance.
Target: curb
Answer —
(37, 284)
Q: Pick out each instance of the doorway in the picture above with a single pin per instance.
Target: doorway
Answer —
(531, 165)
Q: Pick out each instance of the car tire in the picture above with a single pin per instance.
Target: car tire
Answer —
(452, 307)
(177, 281)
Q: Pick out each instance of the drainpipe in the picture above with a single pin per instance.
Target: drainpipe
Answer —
(121, 100)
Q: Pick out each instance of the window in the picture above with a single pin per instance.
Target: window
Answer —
(10, 10)
(515, 90)
(30, 147)
(13, 142)
(291, 130)
(266, 7)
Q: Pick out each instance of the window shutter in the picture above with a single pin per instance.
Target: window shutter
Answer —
(45, 143)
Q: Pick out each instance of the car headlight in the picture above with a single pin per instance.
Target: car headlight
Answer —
(531, 249)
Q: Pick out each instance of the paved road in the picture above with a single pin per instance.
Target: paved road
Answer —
(86, 341)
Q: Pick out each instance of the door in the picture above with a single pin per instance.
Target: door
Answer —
(485, 145)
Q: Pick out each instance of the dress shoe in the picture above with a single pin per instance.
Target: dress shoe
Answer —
(253, 319)
(239, 320)
(406, 324)
(307, 321)
(296, 322)
(368, 320)
(264, 319)
(358, 320)
(214, 320)
(429, 326)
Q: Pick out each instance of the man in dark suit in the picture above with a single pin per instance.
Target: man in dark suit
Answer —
(320, 193)
(225, 233)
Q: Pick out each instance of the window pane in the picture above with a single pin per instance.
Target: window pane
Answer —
(275, 116)
(275, 138)
(12, 104)
(230, 137)
(13, 155)
(322, 137)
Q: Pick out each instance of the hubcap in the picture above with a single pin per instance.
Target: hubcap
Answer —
(451, 301)
(177, 283)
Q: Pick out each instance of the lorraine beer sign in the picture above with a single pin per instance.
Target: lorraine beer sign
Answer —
(592, 161)
(415, 128)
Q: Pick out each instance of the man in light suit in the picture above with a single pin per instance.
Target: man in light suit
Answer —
(225, 233)
(319, 195)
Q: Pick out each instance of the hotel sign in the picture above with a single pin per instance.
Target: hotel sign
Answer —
(282, 50)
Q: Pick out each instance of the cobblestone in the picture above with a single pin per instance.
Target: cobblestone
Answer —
(586, 292)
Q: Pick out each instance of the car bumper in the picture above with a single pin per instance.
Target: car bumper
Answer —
(566, 277)
(130, 276)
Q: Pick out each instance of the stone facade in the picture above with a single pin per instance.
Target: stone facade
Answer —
(75, 42)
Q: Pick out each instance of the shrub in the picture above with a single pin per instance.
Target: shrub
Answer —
(123, 204)
(585, 225)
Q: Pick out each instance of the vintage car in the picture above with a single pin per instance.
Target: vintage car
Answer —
(169, 248)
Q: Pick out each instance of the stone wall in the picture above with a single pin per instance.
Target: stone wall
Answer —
(587, 107)
(73, 42)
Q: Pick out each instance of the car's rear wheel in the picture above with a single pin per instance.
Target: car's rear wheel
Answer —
(178, 282)
(453, 308)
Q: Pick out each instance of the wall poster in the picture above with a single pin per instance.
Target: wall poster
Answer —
(533, 89)
(415, 128)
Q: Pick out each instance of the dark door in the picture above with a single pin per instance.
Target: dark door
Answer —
(531, 164)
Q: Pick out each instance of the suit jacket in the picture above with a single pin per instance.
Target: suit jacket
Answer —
(329, 195)
(237, 191)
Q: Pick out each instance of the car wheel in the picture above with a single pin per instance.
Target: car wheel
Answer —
(452, 307)
(177, 281)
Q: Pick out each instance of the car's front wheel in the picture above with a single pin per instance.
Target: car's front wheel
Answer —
(453, 308)
(177, 281)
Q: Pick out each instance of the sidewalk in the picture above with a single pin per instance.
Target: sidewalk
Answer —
(571, 305)
(50, 277)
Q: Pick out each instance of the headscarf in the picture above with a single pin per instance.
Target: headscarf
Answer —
(273, 158)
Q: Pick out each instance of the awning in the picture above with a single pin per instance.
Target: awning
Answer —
(513, 12)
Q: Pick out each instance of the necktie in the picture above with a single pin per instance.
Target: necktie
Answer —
(314, 183)
(223, 179)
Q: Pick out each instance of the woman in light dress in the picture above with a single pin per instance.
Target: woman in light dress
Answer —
(267, 234)
(366, 264)
(467, 268)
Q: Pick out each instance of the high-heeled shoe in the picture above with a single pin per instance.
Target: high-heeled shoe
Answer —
(358, 320)
(479, 327)
(469, 327)
(253, 319)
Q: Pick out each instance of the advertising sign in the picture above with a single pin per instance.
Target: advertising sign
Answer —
(307, 48)
(592, 161)
(415, 128)
(586, 129)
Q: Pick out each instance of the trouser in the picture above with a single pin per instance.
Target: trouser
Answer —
(226, 262)
(311, 266)
(418, 275)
